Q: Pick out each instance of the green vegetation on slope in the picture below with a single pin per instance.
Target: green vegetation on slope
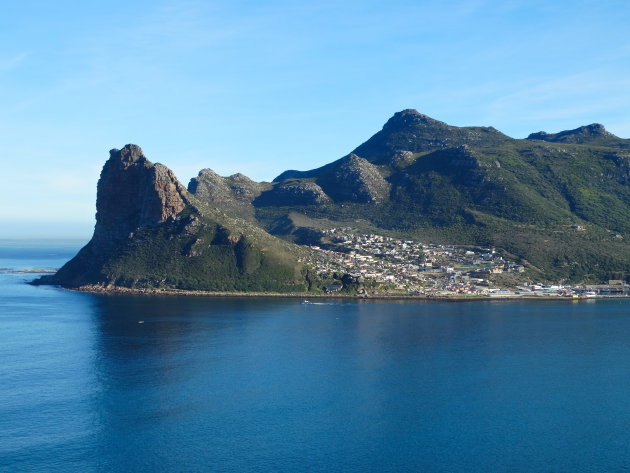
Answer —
(476, 186)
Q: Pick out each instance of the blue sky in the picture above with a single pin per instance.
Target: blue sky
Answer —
(262, 86)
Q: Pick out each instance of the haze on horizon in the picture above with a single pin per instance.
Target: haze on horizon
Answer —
(261, 88)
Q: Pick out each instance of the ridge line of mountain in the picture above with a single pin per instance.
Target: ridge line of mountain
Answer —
(416, 178)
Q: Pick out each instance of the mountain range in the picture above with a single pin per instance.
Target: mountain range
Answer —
(559, 203)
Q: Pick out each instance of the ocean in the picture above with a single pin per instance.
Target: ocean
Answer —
(120, 383)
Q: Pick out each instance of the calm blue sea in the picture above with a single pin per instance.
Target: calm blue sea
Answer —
(271, 385)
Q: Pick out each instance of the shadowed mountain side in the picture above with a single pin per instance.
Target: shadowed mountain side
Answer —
(291, 193)
(349, 179)
(476, 185)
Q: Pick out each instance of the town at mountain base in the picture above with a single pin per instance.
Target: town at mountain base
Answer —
(554, 207)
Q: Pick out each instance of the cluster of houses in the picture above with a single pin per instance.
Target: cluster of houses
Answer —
(414, 268)
(407, 265)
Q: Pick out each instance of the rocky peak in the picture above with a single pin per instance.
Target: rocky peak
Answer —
(209, 187)
(595, 129)
(133, 192)
(244, 188)
(209, 173)
(127, 156)
(351, 160)
(413, 118)
(233, 194)
(240, 177)
(579, 135)
(415, 132)
(213, 188)
(293, 174)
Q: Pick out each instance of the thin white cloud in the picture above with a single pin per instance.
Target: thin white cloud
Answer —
(573, 85)
(11, 63)
(564, 100)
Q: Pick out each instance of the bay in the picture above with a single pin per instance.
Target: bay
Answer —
(146, 383)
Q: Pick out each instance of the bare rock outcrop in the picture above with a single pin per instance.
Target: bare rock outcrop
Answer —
(582, 134)
(411, 131)
(132, 192)
(355, 179)
(232, 194)
(294, 192)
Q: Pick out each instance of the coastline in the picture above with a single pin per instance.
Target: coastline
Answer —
(100, 290)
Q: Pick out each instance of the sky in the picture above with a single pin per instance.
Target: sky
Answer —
(259, 87)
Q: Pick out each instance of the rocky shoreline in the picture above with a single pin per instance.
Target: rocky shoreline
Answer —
(117, 290)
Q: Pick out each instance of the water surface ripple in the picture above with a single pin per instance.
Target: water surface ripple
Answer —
(175, 384)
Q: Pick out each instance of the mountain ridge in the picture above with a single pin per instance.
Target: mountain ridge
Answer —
(152, 233)
(558, 203)
(476, 185)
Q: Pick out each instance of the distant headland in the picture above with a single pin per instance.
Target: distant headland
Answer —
(421, 209)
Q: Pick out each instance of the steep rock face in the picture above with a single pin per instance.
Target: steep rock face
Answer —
(133, 192)
(152, 233)
(293, 193)
(233, 194)
(355, 179)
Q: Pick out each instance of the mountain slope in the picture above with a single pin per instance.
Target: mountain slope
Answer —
(152, 233)
(411, 132)
(422, 178)
(232, 194)
(559, 203)
(594, 134)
